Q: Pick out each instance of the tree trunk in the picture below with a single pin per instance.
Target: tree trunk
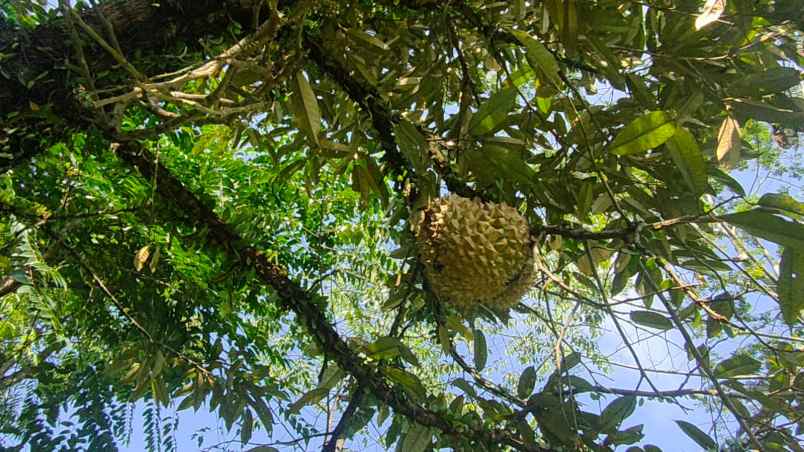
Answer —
(38, 90)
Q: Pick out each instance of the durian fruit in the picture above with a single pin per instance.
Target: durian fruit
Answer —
(474, 252)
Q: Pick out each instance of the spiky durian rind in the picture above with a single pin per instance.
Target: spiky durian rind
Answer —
(474, 252)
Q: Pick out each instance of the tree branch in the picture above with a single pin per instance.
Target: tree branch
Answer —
(333, 444)
(306, 306)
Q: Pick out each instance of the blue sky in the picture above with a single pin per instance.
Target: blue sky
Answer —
(656, 416)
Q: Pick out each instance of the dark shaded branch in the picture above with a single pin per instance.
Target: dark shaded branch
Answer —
(382, 118)
(9, 285)
(36, 83)
(340, 429)
(142, 25)
(307, 307)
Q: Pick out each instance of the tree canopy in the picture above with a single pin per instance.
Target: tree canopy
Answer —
(217, 205)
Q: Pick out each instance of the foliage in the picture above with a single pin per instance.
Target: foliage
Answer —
(217, 214)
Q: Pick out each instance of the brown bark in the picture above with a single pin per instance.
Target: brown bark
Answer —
(8, 285)
(144, 26)
(35, 81)
(308, 309)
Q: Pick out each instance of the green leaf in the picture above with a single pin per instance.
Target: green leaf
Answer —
(782, 201)
(407, 380)
(305, 107)
(736, 366)
(186, 403)
(644, 133)
(766, 225)
(263, 449)
(494, 162)
(412, 144)
(791, 285)
(726, 180)
(361, 35)
(264, 413)
(616, 412)
(578, 384)
(417, 439)
(539, 57)
(697, 435)
(332, 375)
(309, 398)
(767, 113)
(570, 361)
(493, 112)
(481, 351)
(522, 76)
(630, 435)
(527, 381)
(689, 159)
(246, 426)
(651, 319)
(384, 348)
(390, 347)
(768, 81)
(464, 386)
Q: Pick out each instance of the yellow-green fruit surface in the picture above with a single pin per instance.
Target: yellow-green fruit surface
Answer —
(474, 252)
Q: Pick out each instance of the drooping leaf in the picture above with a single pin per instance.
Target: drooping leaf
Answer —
(772, 80)
(539, 57)
(481, 351)
(306, 108)
(493, 112)
(791, 285)
(689, 159)
(644, 133)
(527, 381)
(616, 412)
(651, 319)
(311, 397)
(697, 435)
(416, 439)
(783, 202)
(728, 143)
(764, 224)
(738, 365)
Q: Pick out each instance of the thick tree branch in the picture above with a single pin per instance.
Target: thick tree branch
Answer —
(334, 441)
(307, 308)
(40, 89)
(382, 118)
